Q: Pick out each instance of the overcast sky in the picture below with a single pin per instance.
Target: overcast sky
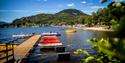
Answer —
(12, 9)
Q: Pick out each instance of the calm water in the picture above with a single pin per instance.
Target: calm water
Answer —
(72, 41)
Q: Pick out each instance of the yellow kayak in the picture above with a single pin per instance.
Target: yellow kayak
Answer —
(70, 31)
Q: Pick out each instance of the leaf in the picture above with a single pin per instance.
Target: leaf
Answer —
(80, 51)
(89, 59)
(89, 40)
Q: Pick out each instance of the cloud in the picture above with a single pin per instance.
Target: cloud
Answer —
(71, 4)
(83, 2)
(96, 7)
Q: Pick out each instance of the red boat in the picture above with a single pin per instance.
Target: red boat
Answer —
(50, 41)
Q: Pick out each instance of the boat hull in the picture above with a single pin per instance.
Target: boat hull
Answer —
(70, 31)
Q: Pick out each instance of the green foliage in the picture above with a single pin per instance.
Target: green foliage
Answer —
(103, 1)
(80, 51)
(121, 28)
(88, 21)
(104, 46)
(81, 19)
(106, 52)
(110, 50)
(89, 59)
(114, 24)
(104, 16)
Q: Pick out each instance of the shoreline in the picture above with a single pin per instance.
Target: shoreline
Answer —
(94, 29)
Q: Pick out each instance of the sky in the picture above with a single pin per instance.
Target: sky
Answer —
(13, 9)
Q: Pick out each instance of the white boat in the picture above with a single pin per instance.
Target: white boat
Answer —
(50, 34)
(22, 35)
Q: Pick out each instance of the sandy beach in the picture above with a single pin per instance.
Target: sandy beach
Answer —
(94, 28)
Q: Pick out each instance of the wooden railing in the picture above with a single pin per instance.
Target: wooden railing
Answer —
(7, 53)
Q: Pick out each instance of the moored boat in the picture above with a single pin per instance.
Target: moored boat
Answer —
(50, 34)
(51, 46)
(70, 31)
(47, 41)
(21, 35)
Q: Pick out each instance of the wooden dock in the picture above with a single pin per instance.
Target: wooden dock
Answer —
(21, 51)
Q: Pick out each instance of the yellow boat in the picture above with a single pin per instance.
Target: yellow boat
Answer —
(70, 31)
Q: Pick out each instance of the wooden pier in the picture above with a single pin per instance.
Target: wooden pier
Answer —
(21, 51)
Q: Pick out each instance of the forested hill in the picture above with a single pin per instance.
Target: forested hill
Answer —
(67, 16)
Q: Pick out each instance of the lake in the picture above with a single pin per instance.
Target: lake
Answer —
(71, 41)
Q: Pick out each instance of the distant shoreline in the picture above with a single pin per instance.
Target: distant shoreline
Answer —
(95, 29)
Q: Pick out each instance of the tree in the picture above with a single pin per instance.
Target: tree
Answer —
(110, 50)
(88, 21)
(81, 19)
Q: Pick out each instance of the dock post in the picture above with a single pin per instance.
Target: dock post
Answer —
(7, 52)
(13, 52)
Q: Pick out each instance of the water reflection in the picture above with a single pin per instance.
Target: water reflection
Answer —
(70, 36)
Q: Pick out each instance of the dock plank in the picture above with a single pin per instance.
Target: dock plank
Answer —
(22, 50)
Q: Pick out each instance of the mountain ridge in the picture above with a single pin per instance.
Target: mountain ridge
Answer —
(60, 17)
